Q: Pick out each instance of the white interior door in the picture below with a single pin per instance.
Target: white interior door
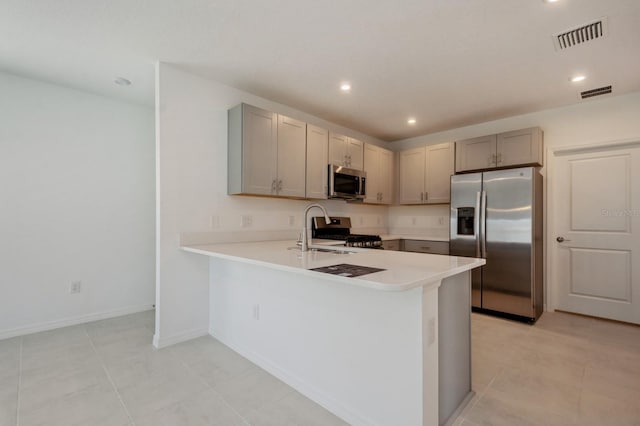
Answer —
(595, 245)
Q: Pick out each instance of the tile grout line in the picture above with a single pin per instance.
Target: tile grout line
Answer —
(202, 380)
(19, 382)
(113, 385)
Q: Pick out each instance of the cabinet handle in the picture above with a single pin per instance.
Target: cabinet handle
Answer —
(280, 185)
(426, 196)
(273, 186)
(499, 158)
(422, 196)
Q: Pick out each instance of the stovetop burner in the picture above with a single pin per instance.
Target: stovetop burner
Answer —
(340, 230)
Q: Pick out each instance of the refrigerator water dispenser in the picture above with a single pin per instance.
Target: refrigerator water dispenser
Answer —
(466, 220)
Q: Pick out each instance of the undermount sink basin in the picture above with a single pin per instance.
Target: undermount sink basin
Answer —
(337, 250)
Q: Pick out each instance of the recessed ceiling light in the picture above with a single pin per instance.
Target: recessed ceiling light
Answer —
(345, 87)
(411, 121)
(550, 1)
(577, 78)
(121, 81)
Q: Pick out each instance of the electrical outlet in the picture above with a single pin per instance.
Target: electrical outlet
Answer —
(246, 221)
(414, 221)
(378, 220)
(292, 220)
(215, 222)
(256, 312)
(75, 287)
(442, 221)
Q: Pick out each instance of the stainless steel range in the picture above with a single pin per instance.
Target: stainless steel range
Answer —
(340, 229)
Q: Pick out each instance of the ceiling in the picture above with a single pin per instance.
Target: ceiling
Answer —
(448, 63)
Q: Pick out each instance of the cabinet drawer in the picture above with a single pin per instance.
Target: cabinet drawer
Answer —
(421, 246)
(391, 245)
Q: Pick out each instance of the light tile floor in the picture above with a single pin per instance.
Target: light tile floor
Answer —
(565, 370)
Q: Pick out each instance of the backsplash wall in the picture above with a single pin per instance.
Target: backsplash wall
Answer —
(426, 220)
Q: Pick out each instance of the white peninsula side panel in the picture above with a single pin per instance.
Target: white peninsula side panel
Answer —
(369, 356)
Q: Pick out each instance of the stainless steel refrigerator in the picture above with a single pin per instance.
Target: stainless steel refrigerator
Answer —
(497, 215)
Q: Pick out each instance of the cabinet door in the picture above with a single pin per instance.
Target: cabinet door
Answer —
(292, 140)
(391, 245)
(317, 162)
(386, 176)
(438, 171)
(520, 147)
(475, 154)
(355, 154)
(412, 164)
(337, 149)
(259, 151)
(372, 167)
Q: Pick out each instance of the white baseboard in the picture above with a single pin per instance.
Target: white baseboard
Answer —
(81, 319)
(298, 384)
(163, 342)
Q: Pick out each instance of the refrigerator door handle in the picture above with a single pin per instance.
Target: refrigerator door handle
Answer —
(483, 223)
(476, 225)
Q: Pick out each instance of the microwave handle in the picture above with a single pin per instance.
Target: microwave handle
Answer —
(363, 186)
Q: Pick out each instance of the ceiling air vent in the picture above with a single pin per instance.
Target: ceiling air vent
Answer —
(580, 35)
(595, 92)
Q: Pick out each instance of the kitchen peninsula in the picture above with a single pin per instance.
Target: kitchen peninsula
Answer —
(385, 348)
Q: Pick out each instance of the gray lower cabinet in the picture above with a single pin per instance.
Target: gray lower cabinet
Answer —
(417, 246)
(421, 246)
(391, 245)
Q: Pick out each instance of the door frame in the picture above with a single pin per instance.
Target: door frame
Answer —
(551, 288)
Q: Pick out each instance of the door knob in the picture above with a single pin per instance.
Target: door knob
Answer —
(561, 240)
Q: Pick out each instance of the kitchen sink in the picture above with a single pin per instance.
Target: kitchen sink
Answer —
(324, 250)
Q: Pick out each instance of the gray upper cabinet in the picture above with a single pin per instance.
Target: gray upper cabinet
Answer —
(519, 147)
(438, 171)
(266, 153)
(253, 154)
(378, 164)
(476, 153)
(346, 151)
(317, 162)
(425, 174)
(291, 167)
(516, 148)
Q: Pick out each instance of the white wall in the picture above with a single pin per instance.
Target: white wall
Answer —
(192, 188)
(77, 203)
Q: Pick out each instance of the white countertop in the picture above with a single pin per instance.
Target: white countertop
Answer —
(403, 270)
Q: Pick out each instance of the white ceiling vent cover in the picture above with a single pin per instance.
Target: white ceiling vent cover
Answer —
(581, 34)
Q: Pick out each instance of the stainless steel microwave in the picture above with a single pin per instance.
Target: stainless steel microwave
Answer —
(347, 184)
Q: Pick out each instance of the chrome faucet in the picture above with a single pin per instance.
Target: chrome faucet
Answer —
(306, 227)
